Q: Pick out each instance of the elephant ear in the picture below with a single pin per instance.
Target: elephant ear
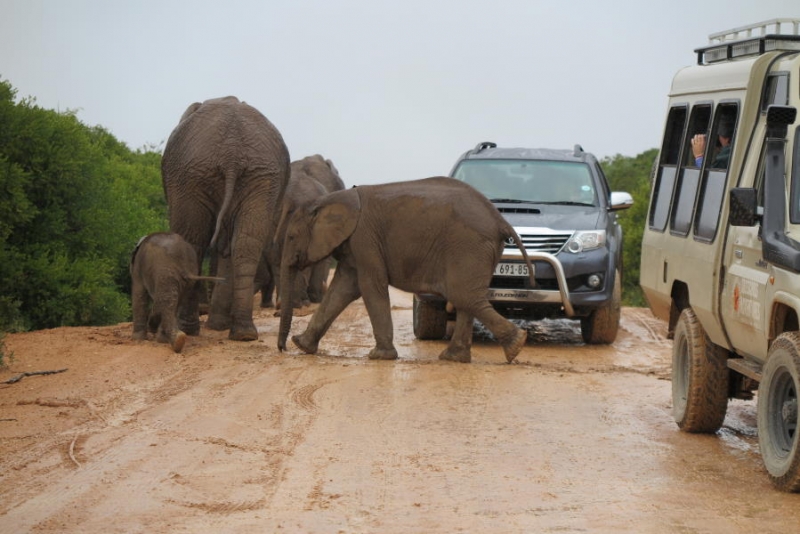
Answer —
(335, 219)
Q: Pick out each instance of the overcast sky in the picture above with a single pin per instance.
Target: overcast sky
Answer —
(388, 90)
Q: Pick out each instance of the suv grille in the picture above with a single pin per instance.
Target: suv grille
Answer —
(552, 243)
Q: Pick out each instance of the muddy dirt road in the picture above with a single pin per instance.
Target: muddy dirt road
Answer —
(236, 437)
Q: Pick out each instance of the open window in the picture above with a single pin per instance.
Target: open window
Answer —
(714, 177)
(689, 175)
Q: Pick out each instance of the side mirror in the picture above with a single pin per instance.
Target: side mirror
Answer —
(743, 207)
(620, 200)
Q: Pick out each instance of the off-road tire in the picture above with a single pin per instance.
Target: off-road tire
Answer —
(602, 325)
(430, 319)
(699, 377)
(777, 412)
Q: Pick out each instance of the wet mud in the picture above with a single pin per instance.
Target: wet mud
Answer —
(238, 437)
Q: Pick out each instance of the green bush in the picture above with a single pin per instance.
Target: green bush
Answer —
(633, 176)
(75, 202)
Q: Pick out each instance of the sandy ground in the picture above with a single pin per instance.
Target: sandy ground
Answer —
(237, 437)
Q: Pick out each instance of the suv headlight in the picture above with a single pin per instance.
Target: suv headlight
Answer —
(586, 240)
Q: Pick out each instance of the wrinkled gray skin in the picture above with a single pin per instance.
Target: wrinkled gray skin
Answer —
(437, 236)
(311, 178)
(225, 169)
(163, 270)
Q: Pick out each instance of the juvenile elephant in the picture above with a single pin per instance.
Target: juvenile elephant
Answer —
(225, 169)
(163, 269)
(311, 178)
(436, 235)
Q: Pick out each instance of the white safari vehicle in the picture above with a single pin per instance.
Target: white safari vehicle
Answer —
(721, 247)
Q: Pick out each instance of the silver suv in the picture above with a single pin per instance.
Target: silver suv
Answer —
(560, 205)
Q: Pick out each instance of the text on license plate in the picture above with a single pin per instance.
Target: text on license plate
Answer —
(511, 269)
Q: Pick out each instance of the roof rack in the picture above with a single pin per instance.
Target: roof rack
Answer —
(740, 42)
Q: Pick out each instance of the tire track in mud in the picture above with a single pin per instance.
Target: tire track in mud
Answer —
(88, 453)
(287, 420)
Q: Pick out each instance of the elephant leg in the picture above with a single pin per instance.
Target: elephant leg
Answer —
(153, 321)
(140, 299)
(319, 277)
(458, 350)
(189, 307)
(376, 299)
(244, 269)
(219, 311)
(267, 292)
(300, 293)
(510, 337)
(344, 290)
(189, 312)
(165, 306)
(264, 282)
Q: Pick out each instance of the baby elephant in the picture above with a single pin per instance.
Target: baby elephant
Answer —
(437, 236)
(164, 268)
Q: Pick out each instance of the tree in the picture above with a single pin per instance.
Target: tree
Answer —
(75, 201)
(632, 175)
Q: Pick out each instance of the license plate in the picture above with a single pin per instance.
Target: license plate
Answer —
(511, 269)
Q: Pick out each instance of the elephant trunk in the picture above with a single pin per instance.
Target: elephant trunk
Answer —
(287, 281)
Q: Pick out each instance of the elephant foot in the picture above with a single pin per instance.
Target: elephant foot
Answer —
(513, 347)
(191, 328)
(383, 354)
(162, 337)
(179, 342)
(267, 303)
(248, 333)
(456, 354)
(140, 335)
(305, 343)
(218, 322)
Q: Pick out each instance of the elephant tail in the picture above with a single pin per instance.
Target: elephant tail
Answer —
(510, 232)
(230, 184)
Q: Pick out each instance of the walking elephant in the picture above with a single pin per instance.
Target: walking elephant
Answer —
(436, 236)
(311, 178)
(163, 269)
(225, 169)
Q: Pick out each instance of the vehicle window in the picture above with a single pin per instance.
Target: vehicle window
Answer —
(667, 169)
(794, 211)
(689, 176)
(776, 90)
(683, 207)
(603, 188)
(714, 177)
(698, 124)
(537, 181)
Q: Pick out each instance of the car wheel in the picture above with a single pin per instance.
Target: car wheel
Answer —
(699, 377)
(601, 326)
(777, 412)
(430, 319)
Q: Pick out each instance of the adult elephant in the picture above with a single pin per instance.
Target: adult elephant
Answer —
(437, 236)
(225, 169)
(311, 178)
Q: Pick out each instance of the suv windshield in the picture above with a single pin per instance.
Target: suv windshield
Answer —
(539, 182)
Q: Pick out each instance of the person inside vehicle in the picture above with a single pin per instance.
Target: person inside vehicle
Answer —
(720, 161)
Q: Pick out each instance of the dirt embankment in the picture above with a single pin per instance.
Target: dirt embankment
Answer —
(237, 437)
